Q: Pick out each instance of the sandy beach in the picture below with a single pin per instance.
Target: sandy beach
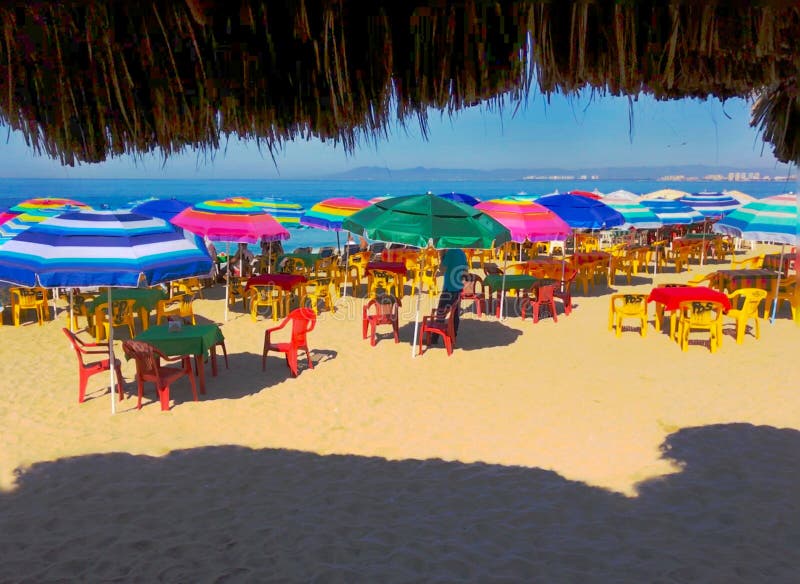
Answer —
(553, 452)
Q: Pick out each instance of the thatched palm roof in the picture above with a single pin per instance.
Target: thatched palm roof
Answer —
(85, 79)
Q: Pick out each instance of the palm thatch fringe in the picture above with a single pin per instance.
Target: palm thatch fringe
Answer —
(88, 79)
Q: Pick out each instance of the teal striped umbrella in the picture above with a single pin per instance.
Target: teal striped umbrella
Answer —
(774, 219)
(636, 215)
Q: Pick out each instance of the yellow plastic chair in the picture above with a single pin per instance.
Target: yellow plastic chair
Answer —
(179, 305)
(121, 315)
(788, 292)
(711, 280)
(389, 282)
(29, 299)
(622, 264)
(192, 286)
(700, 316)
(628, 306)
(428, 279)
(316, 290)
(682, 257)
(753, 263)
(236, 291)
(268, 296)
(749, 299)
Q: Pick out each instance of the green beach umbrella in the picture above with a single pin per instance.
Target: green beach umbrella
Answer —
(423, 220)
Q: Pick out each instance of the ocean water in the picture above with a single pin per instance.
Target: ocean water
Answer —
(122, 192)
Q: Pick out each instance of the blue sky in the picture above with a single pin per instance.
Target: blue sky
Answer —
(572, 133)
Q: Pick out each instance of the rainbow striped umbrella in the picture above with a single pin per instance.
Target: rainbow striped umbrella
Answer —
(711, 204)
(285, 212)
(236, 220)
(36, 210)
(672, 212)
(636, 215)
(6, 215)
(330, 213)
(526, 220)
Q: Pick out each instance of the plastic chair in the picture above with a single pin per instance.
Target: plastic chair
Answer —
(753, 263)
(149, 368)
(544, 299)
(378, 311)
(788, 292)
(563, 291)
(473, 291)
(302, 321)
(318, 290)
(628, 306)
(121, 315)
(180, 306)
(439, 323)
(190, 286)
(389, 282)
(268, 296)
(750, 300)
(700, 316)
(29, 299)
(711, 280)
(86, 370)
(236, 290)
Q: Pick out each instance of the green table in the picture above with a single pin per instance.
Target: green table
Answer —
(145, 300)
(307, 258)
(191, 340)
(494, 282)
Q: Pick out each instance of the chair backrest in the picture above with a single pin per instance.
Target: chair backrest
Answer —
(629, 303)
(385, 307)
(700, 312)
(302, 250)
(293, 266)
(545, 293)
(491, 269)
(146, 357)
(303, 322)
(752, 299)
(28, 297)
(326, 252)
(76, 344)
(320, 286)
(473, 285)
(265, 291)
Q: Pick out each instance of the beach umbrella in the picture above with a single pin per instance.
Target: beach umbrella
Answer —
(32, 211)
(460, 198)
(740, 196)
(6, 215)
(526, 220)
(102, 248)
(329, 213)
(427, 220)
(621, 195)
(230, 220)
(590, 194)
(711, 205)
(668, 194)
(774, 219)
(673, 212)
(581, 212)
(164, 209)
(378, 199)
(636, 215)
(285, 212)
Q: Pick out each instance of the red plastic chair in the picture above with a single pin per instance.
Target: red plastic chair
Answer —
(545, 297)
(381, 310)
(149, 368)
(439, 324)
(563, 291)
(86, 370)
(473, 290)
(303, 321)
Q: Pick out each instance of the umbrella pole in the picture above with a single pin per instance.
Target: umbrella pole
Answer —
(416, 326)
(703, 247)
(269, 258)
(503, 287)
(70, 310)
(227, 275)
(777, 287)
(111, 361)
(338, 245)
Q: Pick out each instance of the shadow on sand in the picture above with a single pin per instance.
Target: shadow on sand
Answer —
(211, 514)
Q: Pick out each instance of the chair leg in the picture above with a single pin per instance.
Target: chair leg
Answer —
(291, 361)
(448, 344)
(553, 310)
(120, 382)
(396, 332)
(308, 359)
(373, 334)
(192, 381)
(82, 386)
(741, 326)
(140, 388)
(163, 397)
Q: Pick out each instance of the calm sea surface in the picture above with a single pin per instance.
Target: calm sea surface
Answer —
(123, 192)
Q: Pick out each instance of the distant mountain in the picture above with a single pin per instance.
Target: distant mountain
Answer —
(603, 173)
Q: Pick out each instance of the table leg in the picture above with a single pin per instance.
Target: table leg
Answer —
(659, 316)
(201, 372)
(214, 361)
(144, 316)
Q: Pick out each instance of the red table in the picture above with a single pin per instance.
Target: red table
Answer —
(578, 259)
(669, 298)
(772, 262)
(393, 267)
(283, 281)
(397, 255)
(731, 280)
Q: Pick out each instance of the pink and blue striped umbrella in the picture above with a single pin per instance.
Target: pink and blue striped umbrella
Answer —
(526, 220)
(237, 220)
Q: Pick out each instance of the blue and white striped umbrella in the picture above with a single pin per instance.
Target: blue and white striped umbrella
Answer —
(102, 248)
(673, 212)
(636, 215)
(711, 205)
